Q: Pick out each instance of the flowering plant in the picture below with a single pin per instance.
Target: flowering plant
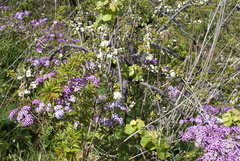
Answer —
(218, 142)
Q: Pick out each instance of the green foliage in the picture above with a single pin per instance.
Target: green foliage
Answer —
(120, 23)
(108, 11)
(231, 117)
(153, 140)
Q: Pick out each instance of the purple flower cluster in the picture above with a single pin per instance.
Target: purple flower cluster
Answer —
(43, 61)
(19, 15)
(40, 106)
(153, 61)
(117, 104)
(23, 116)
(38, 22)
(76, 83)
(217, 141)
(108, 122)
(4, 7)
(93, 78)
(173, 92)
(63, 104)
(115, 117)
(41, 79)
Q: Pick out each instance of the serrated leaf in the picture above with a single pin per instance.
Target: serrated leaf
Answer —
(129, 129)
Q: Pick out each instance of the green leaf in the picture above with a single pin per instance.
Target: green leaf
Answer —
(227, 123)
(164, 144)
(129, 129)
(107, 17)
(163, 155)
(130, 71)
(140, 124)
(144, 141)
(112, 7)
(133, 122)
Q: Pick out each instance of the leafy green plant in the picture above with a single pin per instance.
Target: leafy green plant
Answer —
(152, 139)
(231, 117)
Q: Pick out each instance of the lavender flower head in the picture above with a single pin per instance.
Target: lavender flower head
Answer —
(25, 117)
(217, 141)
(12, 114)
(93, 79)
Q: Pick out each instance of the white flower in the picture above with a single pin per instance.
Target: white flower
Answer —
(28, 73)
(82, 29)
(115, 52)
(219, 120)
(104, 43)
(72, 98)
(149, 57)
(109, 56)
(33, 85)
(19, 77)
(132, 104)
(172, 73)
(100, 54)
(20, 94)
(27, 91)
(117, 95)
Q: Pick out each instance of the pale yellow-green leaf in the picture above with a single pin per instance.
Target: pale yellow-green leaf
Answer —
(107, 17)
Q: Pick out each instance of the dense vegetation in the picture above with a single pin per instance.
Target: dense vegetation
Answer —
(119, 80)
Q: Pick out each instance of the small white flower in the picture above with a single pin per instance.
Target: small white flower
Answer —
(149, 57)
(104, 43)
(172, 73)
(132, 104)
(20, 94)
(28, 73)
(72, 98)
(109, 56)
(75, 125)
(33, 85)
(219, 120)
(100, 54)
(19, 77)
(117, 95)
(115, 52)
(82, 29)
(27, 91)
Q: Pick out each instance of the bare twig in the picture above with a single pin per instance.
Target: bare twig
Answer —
(69, 45)
(173, 17)
(164, 97)
(169, 51)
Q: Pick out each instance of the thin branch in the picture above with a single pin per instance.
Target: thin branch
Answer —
(164, 97)
(173, 17)
(169, 51)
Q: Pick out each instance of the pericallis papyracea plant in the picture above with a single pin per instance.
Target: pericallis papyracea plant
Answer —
(218, 142)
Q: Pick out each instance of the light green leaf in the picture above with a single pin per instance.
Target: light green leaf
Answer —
(144, 141)
(129, 129)
(140, 124)
(107, 17)
(112, 7)
(133, 122)
(130, 71)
